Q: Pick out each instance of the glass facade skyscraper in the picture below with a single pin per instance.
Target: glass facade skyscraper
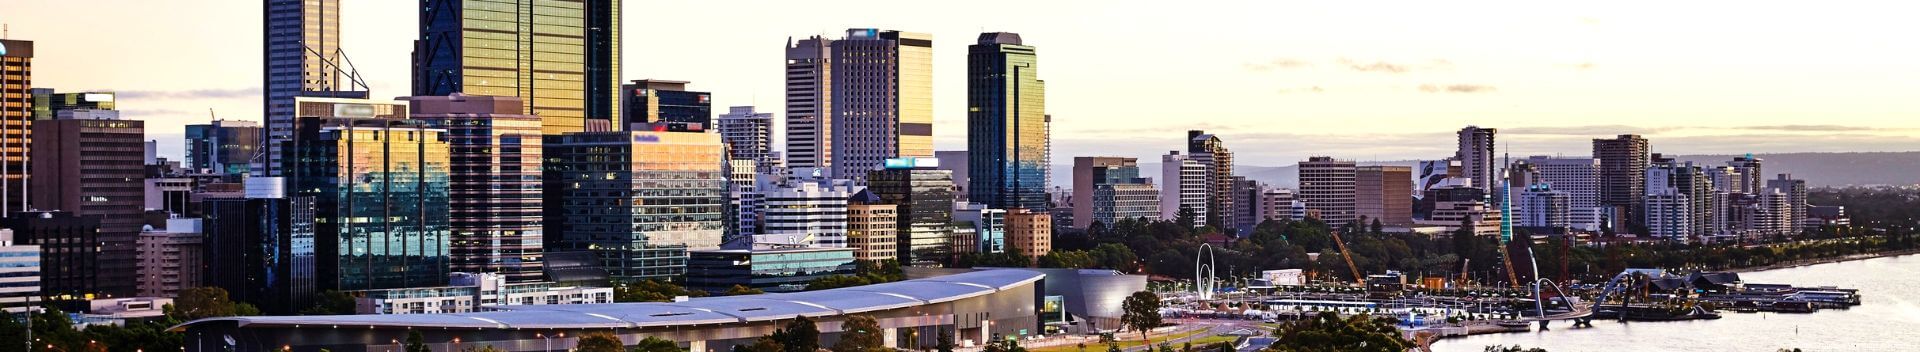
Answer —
(562, 58)
(882, 100)
(924, 197)
(666, 104)
(225, 147)
(1006, 124)
(640, 199)
(302, 58)
(261, 248)
(495, 153)
(380, 184)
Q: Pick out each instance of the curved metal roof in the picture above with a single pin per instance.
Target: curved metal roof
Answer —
(705, 310)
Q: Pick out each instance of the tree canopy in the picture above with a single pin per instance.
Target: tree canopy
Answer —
(1328, 332)
(1141, 312)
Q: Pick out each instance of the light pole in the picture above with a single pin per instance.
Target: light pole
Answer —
(546, 340)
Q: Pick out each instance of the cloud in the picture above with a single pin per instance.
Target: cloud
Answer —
(1393, 67)
(1313, 89)
(1279, 63)
(230, 93)
(1593, 130)
(1456, 88)
(1813, 128)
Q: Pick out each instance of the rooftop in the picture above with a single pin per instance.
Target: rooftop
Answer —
(707, 310)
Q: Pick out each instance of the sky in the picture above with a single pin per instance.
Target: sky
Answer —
(1277, 80)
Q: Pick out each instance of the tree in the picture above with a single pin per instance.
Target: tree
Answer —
(206, 302)
(331, 302)
(800, 335)
(487, 348)
(1328, 332)
(1008, 345)
(943, 342)
(860, 333)
(416, 342)
(1376, 226)
(651, 291)
(655, 344)
(743, 290)
(1184, 217)
(599, 342)
(836, 281)
(763, 344)
(1141, 312)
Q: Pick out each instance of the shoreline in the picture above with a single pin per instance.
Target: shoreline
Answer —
(1839, 259)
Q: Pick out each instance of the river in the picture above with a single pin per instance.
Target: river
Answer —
(1888, 319)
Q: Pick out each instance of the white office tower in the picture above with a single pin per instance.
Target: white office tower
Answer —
(803, 211)
(1579, 178)
(1183, 185)
(1544, 207)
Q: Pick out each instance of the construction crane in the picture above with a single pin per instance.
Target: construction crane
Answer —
(1344, 254)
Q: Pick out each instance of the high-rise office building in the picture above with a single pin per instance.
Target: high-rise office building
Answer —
(809, 79)
(882, 97)
(70, 266)
(1108, 189)
(1327, 186)
(1796, 193)
(16, 122)
(1542, 206)
(1006, 124)
(1476, 156)
(47, 102)
(871, 224)
(1211, 152)
(748, 135)
(1275, 204)
(561, 58)
(1752, 175)
(924, 196)
(1579, 179)
(1246, 195)
(1183, 187)
(957, 162)
(978, 229)
(171, 259)
(744, 203)
(19, 275)
(639, 199)
(380, 187)
(224, 147)
(302, 59)
(1623, 179)
(1666, 178)
(494, 186)
(651, 103)
(1384, 194)
(803, 211)
(92, 165)
(261, 247)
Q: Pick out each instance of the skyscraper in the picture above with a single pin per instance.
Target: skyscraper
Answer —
(803, 211)
(1006, 124)
(1108, 189)
(1696, 197)
(1327, 188)
(1183, 187)
(809, 79)
(16, 122)
(494, 186)
(748, 135)
(561, 58)
(1384, 194)
(653, 102)
(1579, 179)
(225, 147)
(379, 183)
(882, 99)
(89, 162)
(1752, 178)
(47, 102)
(302, 58)
(1211, 152)
(640, 199)
(261, 247)
(1476, 154)
(1623, 179)
(1796, 194)
(924, 196)
(1246, 195)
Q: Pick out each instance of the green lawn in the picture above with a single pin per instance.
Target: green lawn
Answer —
(1125, 343)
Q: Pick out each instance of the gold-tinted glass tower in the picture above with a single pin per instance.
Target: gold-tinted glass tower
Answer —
(561, 57)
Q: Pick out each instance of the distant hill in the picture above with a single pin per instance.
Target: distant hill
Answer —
(1819, 169)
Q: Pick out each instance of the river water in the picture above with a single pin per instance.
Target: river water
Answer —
(1888, 319)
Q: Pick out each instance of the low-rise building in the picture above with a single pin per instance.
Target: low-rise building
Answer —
(473, 292)
(171, 259)
(767, 268)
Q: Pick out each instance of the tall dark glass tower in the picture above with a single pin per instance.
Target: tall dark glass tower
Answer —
(379, 184)
(562, 58)
(226, 147)
(261, 248)
(1006, 124)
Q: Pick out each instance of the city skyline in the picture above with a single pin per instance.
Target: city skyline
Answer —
(1575, 74)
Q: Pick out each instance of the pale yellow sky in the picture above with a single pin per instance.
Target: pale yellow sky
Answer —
(1278, 80)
